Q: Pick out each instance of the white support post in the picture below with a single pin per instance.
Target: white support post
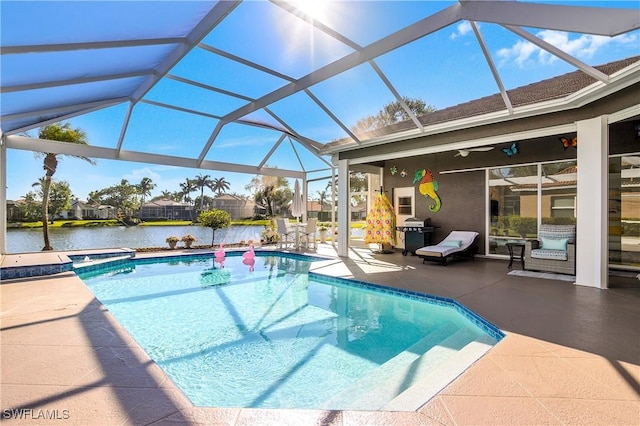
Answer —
(592, 250)
(3, 196)
(343, 208)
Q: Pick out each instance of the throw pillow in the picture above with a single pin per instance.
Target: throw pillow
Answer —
(452, 243)
(550, 244)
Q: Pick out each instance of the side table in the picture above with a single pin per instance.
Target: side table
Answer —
(510, 247)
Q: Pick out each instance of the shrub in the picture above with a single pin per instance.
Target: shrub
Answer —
(523, 225)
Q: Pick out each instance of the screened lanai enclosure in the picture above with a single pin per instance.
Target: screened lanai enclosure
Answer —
(282, 88)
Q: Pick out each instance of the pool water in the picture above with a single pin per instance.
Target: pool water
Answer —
(269, 334)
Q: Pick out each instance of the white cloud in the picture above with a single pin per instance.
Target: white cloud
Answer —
(583, 47)
(461, 30)
(136, 175)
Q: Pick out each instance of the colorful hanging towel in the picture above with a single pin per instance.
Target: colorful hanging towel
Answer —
(381, 222)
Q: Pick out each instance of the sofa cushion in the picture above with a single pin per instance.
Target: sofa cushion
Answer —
(548, 254)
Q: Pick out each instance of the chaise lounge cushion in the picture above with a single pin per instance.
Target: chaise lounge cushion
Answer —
(455, 242)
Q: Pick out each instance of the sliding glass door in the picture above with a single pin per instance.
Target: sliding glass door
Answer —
(513, 205)
(624, 211)
(521, 197)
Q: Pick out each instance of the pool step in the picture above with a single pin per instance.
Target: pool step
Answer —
(426, 386)
(386, 382)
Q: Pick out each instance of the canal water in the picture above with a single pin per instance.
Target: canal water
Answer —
(30, 240)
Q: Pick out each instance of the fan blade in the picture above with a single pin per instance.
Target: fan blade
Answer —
(481, 148)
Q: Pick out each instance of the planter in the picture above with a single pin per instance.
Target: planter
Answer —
(172, 244)
(323, 235)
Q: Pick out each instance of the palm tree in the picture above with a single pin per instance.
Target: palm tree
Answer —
(64, 133)
(219, 185)
(186, 188)
(166, 194)
(322, 198)
(200, 182)
(144, 189)
(271, 191)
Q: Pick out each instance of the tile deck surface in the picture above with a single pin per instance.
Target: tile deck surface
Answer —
(571, 354)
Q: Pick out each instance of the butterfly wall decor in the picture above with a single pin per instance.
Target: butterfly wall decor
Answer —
(569, 142)
(512, 150)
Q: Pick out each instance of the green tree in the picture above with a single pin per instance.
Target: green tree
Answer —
(61, 132)
(59, 198)
(186, 188)
(121, 196)
(392, 113)
(200, 182)
(31, 207)
(144, 188)
(214, 219)
(219, 185)
(207, 203)
(271, 191)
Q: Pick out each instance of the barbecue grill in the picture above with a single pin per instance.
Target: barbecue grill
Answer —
(417, 234)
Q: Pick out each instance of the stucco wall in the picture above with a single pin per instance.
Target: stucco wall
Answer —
(463, 194)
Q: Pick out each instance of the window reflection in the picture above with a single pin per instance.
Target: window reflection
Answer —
(559, 189)
(513, 205)
(624, 210)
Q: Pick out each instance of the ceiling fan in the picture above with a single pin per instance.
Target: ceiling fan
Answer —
(465, 152)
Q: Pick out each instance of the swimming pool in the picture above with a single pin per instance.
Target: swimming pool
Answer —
(271, 334)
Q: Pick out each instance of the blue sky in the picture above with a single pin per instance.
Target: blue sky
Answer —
(443, 69)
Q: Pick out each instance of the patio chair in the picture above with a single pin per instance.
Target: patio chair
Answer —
(457, 244)
(309, 233)
(284, 231)
(553, 251)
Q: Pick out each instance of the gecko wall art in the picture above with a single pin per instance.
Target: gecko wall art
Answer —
(428, 187)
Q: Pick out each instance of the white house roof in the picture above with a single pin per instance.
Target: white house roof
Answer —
(261, 86)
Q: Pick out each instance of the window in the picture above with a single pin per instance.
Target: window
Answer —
(563, 206)
(513, 211)
(522, 196)
(404, 205)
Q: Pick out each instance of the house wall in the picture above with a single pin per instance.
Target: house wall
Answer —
(463, 194)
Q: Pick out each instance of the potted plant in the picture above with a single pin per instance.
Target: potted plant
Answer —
(172, 241)
(269, 234)
(188, 240)
(323, 234)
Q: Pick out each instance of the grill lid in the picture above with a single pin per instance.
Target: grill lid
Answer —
(415, 222)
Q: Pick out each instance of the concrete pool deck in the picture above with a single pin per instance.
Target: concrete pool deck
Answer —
(571, 355)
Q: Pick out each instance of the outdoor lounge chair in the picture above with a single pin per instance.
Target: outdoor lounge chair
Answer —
(553, 251)
(457, 244)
